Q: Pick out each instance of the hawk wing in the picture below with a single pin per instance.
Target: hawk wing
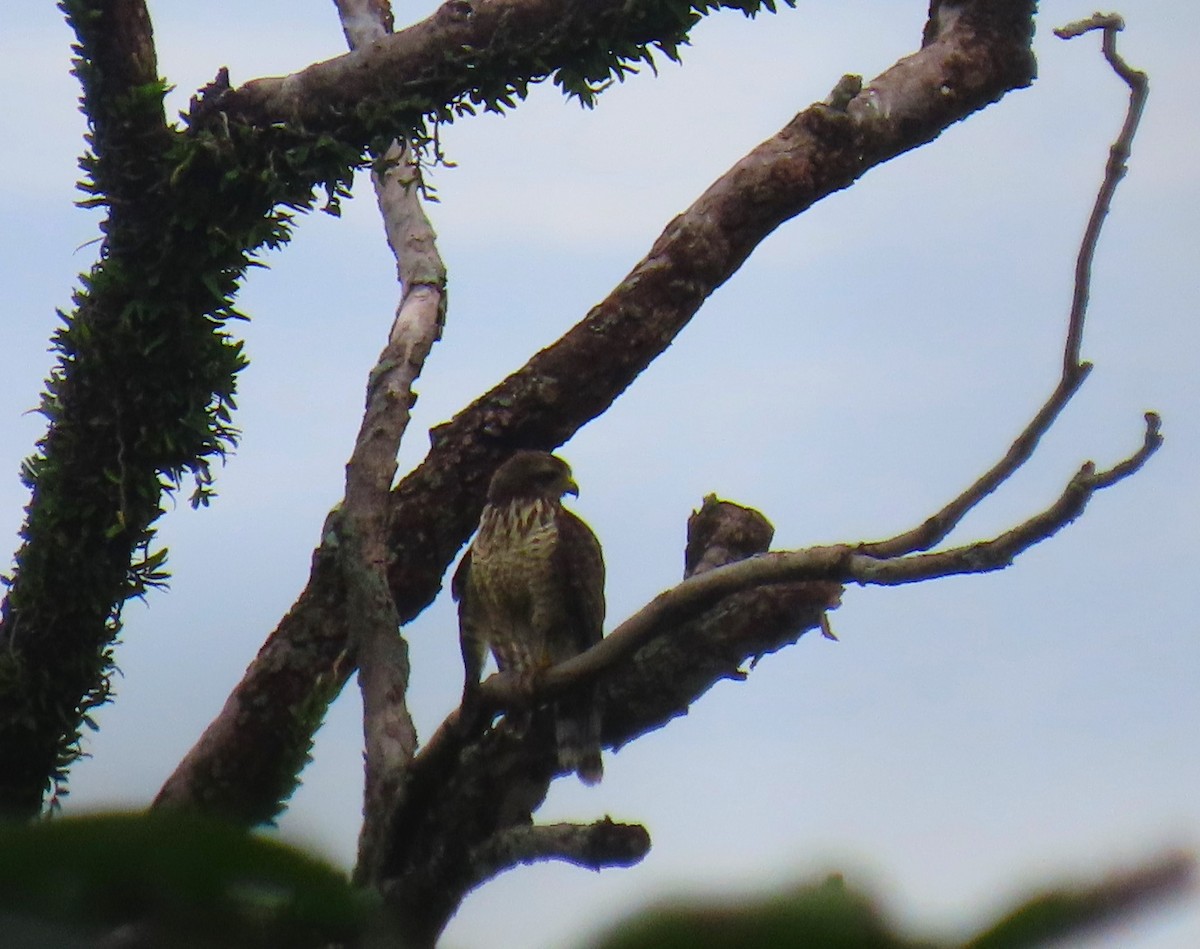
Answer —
(471, 638)
(579, 565)
(580, 574)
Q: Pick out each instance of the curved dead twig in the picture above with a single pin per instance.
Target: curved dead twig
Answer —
(1118, 157)
(1074, 372)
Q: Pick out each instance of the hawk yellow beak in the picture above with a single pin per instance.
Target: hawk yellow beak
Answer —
(570, 487)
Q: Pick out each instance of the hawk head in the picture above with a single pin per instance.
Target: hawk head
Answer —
(530, 476)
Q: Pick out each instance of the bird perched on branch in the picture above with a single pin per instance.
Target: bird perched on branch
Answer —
(531, 587)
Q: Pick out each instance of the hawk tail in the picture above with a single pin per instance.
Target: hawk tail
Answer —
(577, 733)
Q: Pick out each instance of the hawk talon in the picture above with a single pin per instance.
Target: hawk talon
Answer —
(472, 721)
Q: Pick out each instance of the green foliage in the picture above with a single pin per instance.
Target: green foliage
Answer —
(141, 398)
(604, 59)
(829, 915)
(1061, 913)
(176, 880)
(598, 51)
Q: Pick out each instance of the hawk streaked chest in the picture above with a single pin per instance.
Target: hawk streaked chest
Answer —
(514, 575)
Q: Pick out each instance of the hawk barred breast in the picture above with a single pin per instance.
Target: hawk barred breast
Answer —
(531, 588)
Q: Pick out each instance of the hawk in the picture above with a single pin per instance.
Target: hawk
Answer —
(531, 587)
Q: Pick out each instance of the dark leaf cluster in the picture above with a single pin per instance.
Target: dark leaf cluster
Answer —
(141, 397)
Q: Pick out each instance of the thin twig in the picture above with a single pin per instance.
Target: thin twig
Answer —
(936, 528)
(1074, 371)
(999, 552)
(1118, 157)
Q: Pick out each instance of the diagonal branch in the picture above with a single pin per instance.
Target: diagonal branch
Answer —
(382, 653)
(999, 552)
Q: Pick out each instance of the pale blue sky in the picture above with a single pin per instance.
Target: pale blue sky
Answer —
(872, 358)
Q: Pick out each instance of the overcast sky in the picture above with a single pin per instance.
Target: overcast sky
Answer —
(965, 737)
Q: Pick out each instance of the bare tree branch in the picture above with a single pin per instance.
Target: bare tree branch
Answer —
(382, 654)
(1074, 372)
(1118, 157)
(592, 846)
(999, 552)
(935, 529)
